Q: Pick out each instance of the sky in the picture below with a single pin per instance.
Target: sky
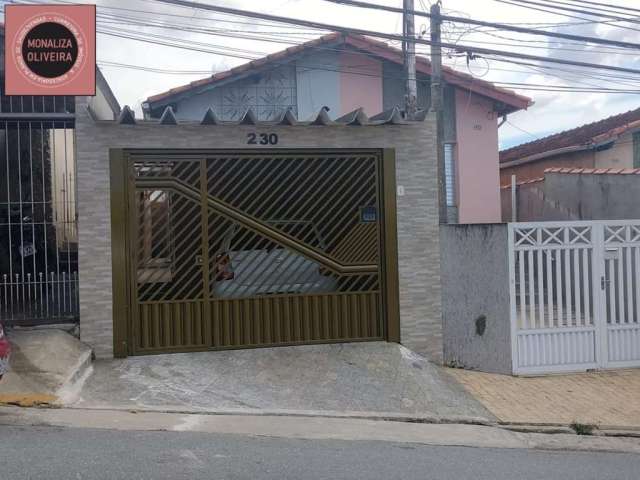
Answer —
(552, 111)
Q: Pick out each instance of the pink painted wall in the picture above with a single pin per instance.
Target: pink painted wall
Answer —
(364, 90)
(477, 166)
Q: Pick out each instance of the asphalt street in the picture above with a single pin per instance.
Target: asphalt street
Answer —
(79, 453)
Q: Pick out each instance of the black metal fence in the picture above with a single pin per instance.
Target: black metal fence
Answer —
(38, 220)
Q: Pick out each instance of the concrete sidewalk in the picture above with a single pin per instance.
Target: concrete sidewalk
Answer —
(608, 399)
(356, 379)
(479, 436)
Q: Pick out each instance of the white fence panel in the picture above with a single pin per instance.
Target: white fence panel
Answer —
(575, 295)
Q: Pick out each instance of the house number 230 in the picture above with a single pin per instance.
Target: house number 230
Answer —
(262, 138)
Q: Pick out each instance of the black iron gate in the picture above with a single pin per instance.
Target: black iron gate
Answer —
(38, 229)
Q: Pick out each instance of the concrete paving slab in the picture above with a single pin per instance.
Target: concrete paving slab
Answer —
(357, 378)
(44, 362)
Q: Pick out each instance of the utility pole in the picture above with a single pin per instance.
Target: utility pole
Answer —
(437, 106)
(409, 50)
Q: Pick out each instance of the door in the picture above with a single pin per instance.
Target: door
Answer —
(249, 249)
(620, 287)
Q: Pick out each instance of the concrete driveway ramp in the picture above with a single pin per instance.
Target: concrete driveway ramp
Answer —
(354, 379)
(45, 366)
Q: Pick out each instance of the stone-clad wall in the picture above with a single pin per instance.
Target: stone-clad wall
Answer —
(418, 230)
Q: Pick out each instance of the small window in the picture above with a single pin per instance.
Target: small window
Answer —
(450, 174)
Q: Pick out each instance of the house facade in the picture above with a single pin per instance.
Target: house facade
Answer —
(613, 142)
(193, 238)
(341, 73)
(217, 223)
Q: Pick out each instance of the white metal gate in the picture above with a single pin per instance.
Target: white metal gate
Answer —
(575, 295)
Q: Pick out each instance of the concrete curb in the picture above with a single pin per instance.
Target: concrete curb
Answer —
(299, 427)
(355, 415)
(548, 429)
(598, 430)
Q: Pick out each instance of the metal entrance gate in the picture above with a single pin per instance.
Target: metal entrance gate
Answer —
(217, 250)
(38, 221)
(575, 295)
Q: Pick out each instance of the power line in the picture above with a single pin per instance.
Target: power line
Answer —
(580, 74)
(558, 6)
(217, 33)
(594, 88)
(355, 71)
(342, 50)
(529, 31)
(325, 26)
(567, 15)
(147, 13)
(619, 7)
(547, 42)
(598, 76)
(522, 130)
(183, 47)
(572, 73)
(562, 88)
(127, 34)
(551, 48)
(595, 10)
(283, 40)
(107, 63)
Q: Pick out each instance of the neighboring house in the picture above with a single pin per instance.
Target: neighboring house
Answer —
(613, 142)
(341, 73)
(575, 194)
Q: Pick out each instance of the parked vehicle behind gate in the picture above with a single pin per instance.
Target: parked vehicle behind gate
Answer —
(266, 268)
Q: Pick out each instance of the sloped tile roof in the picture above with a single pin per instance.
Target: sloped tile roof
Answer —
(585, 135)
(512, 100)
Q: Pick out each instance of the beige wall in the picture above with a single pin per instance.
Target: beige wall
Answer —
(620, 155)
(531, 170)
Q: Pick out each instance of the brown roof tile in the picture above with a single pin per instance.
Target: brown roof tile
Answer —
(588, 134)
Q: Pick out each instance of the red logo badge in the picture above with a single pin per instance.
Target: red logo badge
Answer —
(50, 49)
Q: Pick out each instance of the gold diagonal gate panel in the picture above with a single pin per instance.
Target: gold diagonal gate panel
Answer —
(248, 249)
